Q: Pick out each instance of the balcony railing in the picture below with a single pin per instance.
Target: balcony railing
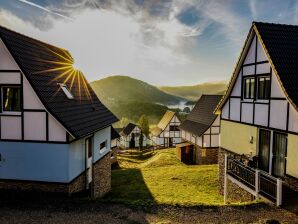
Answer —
(259, 182)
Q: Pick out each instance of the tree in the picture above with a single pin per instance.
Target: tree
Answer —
(144, 124)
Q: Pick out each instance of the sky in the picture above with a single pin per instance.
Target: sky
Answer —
(163, 42)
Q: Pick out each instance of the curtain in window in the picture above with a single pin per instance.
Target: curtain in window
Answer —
(264, 150)
(279, 154)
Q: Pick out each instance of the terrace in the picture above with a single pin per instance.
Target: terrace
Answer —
(255, 181)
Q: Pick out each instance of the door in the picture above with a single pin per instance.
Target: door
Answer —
(170, 142)
(279, 154)
(264, 149)
(132, 143)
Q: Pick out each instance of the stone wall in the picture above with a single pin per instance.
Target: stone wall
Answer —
(102, 176)
(234, 192)
(78, 184)
(221, 170)
(205, 156)
(291, 182)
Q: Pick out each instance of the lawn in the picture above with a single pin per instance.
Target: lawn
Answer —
(159, 178)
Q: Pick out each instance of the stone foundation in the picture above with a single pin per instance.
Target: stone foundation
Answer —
(205, 156)
(291, 182)
(102, 176)
(78, 184)
(234, 192)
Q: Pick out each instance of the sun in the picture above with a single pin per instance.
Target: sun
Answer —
(76, 66)
(69, 72)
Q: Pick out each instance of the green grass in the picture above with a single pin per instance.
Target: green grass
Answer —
(159, 178)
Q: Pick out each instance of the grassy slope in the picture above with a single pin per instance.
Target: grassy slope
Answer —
(159, 178)
(124, 88)
(194, 92)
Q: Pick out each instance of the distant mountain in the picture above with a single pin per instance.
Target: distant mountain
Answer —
(124, 88)
(129, 98)
(193, 93)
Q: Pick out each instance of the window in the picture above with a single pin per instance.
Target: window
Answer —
(263, 88)
(11, 98)
(249, 88)
(272, 157)
(103, 145)
(174, 128)
(66, 91)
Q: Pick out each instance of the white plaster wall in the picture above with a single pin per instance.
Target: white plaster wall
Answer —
(276, 90)
(261, 114)
(206, 142)
(199, 141)
(261, 56)
(249, 70)
(263, 68)
(99, 137)
(250, 57)
(237, 87)
(11, 127)
(10, 77)
(278, 114)
(56, 131)
(225, 110)
(215, 141)
(247, 113)
(35, 126)
(293, 119)
(235, 109)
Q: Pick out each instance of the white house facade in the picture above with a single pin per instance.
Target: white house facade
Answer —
(259, 118)
(167, 133)
(42, 142)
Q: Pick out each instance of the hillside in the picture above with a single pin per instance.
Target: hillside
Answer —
(193, 93)
(124, 88)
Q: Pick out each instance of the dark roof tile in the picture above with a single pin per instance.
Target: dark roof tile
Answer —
(81, 116)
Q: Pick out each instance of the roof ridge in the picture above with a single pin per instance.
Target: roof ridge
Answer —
(31, 38)
(277, 24)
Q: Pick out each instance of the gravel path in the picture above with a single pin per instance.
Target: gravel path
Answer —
(67, 211)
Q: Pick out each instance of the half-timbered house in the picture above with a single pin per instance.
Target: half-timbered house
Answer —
(166, 133)
(130, 137)
(54, 131)
(200, 133)
(259, 117)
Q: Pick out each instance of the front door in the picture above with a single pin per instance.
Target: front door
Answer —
(264, 149)
(132, 143)
(170, 142)
(279, 154)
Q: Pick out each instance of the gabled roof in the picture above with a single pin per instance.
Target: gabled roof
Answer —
(44, 66)
(114, 133)
(128, 129)
(166, 119)
(202, 116)
(280, 43)
(163, 123)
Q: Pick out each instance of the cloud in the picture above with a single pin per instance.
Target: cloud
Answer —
(44, 9)
(105, 42)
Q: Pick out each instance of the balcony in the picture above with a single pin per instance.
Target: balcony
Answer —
(256, 182)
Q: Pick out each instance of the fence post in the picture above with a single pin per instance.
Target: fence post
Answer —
(226, 179)
(278, 192)
(257, 183)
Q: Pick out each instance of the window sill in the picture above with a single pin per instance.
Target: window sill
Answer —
(11, 113)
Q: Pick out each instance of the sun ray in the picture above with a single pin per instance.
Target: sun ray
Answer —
(73, 79)
(86, 87)
(70, 60)
(54, 69)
